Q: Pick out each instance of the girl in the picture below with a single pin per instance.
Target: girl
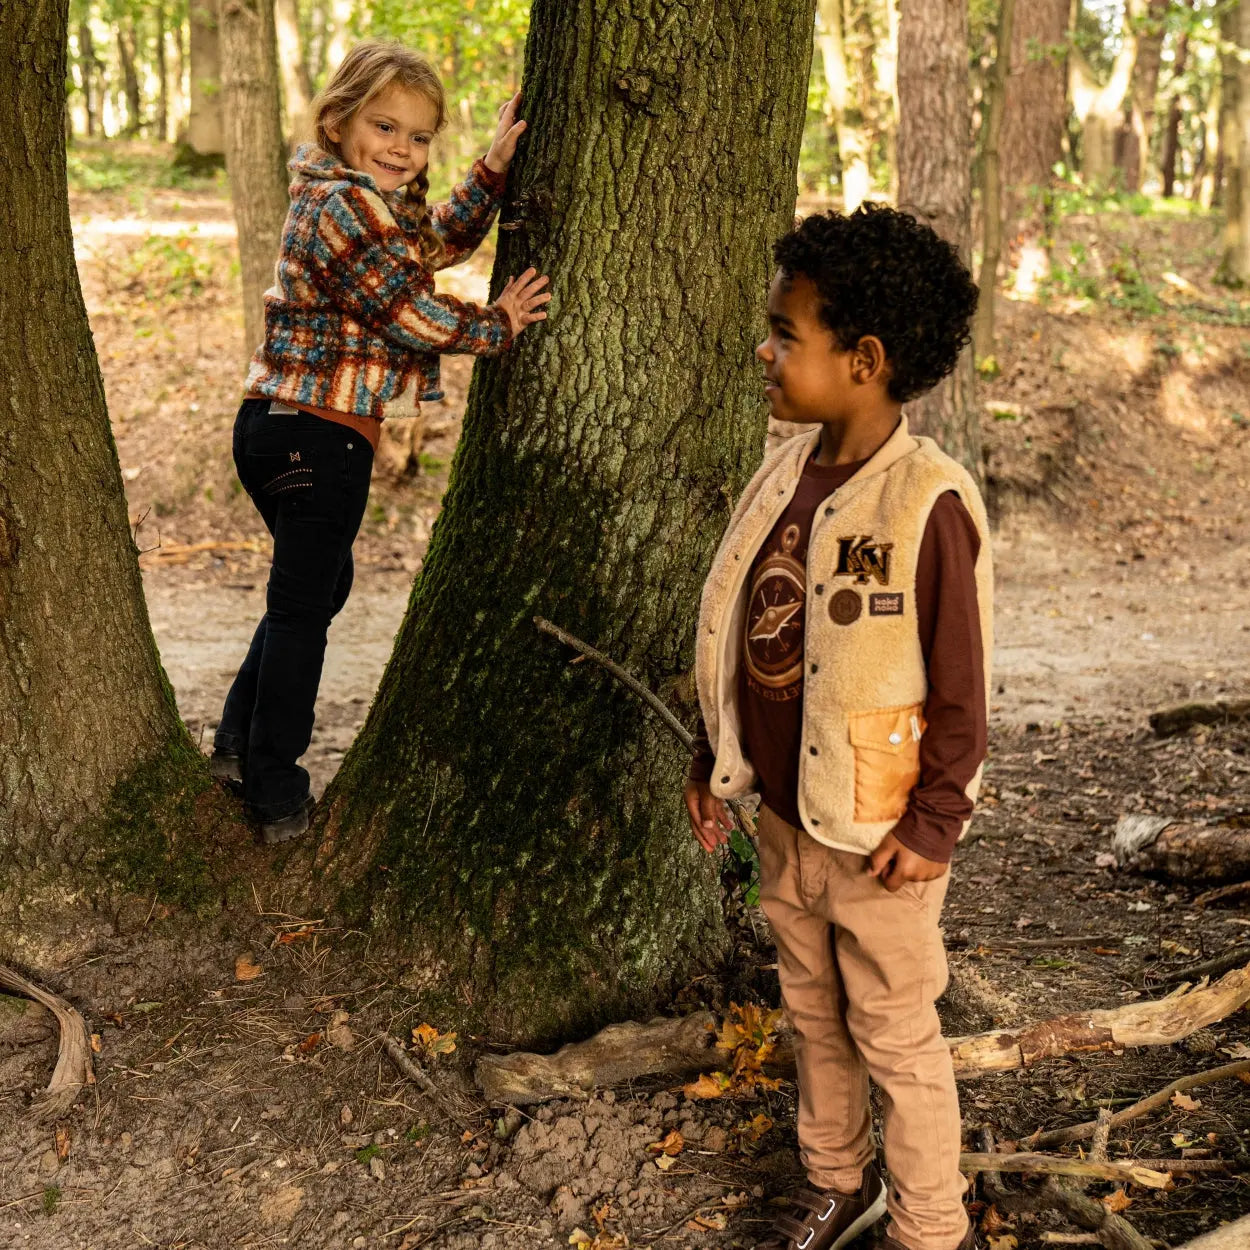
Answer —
(353, 333)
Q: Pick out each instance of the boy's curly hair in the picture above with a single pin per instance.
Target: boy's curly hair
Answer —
(881, 272)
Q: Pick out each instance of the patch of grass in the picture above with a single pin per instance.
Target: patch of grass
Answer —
(365, 1153)
(168, 267)
(111, 166)
(429, 463)
(51, 1199)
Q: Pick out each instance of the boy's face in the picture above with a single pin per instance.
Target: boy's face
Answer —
(389, 137)
(807, 376)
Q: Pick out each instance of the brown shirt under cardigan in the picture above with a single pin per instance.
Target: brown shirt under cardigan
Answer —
(771, 689)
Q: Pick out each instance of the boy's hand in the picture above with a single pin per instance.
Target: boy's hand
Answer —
(509, 130)
(521, 297)
(710, 820)
(892, 864)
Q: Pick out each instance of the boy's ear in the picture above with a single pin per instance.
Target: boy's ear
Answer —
(868, 363)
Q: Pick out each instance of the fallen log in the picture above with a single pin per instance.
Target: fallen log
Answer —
(1169, 721)
(681, 1046)
(621, 1052)
(1234, 1236)
(1160, 1098)
(1208, 968)
(1160, 846)
(73, 1061)
(1128, 1172)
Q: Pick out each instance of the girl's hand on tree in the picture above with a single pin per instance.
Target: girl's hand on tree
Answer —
(509, 130)
(710, 820)
(521, 297)
(893, 864)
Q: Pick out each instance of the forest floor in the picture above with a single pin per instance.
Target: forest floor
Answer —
(243, 1111)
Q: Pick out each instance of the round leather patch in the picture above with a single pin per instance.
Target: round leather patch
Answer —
(845, 607)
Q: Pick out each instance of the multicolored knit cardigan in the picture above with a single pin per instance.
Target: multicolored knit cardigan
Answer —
(352, 322)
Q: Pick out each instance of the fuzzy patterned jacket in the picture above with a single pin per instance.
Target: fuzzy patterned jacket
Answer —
(352, 321)
(864, 675)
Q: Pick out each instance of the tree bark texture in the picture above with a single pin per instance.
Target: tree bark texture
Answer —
(83, 700)
(1035, 108)
(255, 152)
(935, 184)
(1212, 854)
(991, 184)
(1235, 145)
(517, 817)
(205, 131)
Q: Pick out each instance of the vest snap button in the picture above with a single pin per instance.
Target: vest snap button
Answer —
(813, 750)
(828, 512)
(820, 589)
(815, 667)
(895, 739)
(724, 780)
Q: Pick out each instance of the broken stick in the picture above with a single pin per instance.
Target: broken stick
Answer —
(73, 1061)
(1127, 1172)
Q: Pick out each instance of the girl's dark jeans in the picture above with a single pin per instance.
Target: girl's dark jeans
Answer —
(309, 479)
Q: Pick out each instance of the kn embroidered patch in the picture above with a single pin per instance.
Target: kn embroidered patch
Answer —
(862, 558)
(885, 605)
(845, 607)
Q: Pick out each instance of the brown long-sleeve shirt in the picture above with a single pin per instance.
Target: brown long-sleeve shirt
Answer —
(771, 691)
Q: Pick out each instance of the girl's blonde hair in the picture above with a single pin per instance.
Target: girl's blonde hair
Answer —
(368, 69)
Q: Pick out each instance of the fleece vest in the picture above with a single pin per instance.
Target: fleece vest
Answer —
(864, 675)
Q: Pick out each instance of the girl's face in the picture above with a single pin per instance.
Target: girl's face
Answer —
(389, 137)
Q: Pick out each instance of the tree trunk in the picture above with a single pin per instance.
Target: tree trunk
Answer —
(126, 43)
(991, 193)
(846, 111)
(87, 68)
(886, 58)
(514, 818)
(1100, 107)
(1211, 854)
(1035, 107)
(162, 76)
(297, 92)
(204, 143)
(86, 705)
(1171, 136)
(255, 154)
(1137, 128)
(935, 183)
(1234, 267)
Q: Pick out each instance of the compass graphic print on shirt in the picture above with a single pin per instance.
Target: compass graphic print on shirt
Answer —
(774, 633)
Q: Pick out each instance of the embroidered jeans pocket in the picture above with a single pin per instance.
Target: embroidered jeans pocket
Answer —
(887, 760)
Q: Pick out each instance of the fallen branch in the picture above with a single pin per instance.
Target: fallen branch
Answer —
(619, 1053)
(1223, 894)
(1234, 1236)
(1208, 968)
(409, 1067)
(1079, 1132)
(1169, 721)
(1158, 1023)
(73, 1061)
(1183, 851)
(1126, 1173)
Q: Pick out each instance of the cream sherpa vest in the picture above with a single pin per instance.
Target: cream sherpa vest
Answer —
(864, 674)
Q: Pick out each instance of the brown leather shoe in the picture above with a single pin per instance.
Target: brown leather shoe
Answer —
(826, 1219)
(970, 1242)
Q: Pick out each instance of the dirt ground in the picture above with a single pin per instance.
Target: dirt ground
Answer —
(260, 1111)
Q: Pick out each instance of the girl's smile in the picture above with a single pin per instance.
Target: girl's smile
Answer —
(389, 137)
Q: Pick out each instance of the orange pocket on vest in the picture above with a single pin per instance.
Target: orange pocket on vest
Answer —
(887, 760)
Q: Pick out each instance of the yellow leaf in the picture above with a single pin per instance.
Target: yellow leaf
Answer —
(246, 968)
(709, 1085)
(431, 1040)
(713, 1221)
(672, 1144)
(664, 1162)
(579, 1236)
(1117, 1201)
(62, 1142)
(96, 1043)
(1185, 1103)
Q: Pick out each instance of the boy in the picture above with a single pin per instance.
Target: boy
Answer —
(844, 637)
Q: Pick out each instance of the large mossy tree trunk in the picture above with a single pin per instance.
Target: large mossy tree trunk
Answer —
(255, 151)
(516, 819)
(935, 184)
(86, 715)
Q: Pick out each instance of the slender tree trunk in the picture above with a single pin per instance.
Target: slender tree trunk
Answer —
(87, 69)
(1136, 131)
(1171, 137)
(846, 112)
(935, 183)
(85, 704)
(297, 92)
(886, 61)
(204, 144)
(1101, 107)
(162, 77)
(991, 194)
(126, 43)
(255, 154)
(515, 818)
(1234, 267)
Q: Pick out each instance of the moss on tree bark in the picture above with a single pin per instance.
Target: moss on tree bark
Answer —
(515, 818)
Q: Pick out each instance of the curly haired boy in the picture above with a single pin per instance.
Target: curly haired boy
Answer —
(842, 666)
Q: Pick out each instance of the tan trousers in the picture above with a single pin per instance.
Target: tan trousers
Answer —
(860, 971)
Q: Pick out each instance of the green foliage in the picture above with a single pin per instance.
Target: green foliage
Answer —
(168, 267)
(114, 166)
(51, 1199)
(742, 865)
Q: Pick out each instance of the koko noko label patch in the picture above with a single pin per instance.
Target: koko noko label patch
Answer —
(885, 605)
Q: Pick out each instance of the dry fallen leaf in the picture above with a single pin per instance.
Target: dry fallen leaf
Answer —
(294, 935)
(246, 968)
(664, 1162)
(96, 1043)
(1185, 1103)
(309, 1044)
(993, 1221)
(338, 1034)
(709, 1085)
(672, 1144)
(62, 1142)
(1005, 1242)
(432, 1041)
(1117, 1201)
(712, 1221)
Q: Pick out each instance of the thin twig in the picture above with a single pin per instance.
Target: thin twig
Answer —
(1055, 1165)
(1102, 1133)
(410, 1068)
(1078, 1132)
(1210, 968)
(1225, 892)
